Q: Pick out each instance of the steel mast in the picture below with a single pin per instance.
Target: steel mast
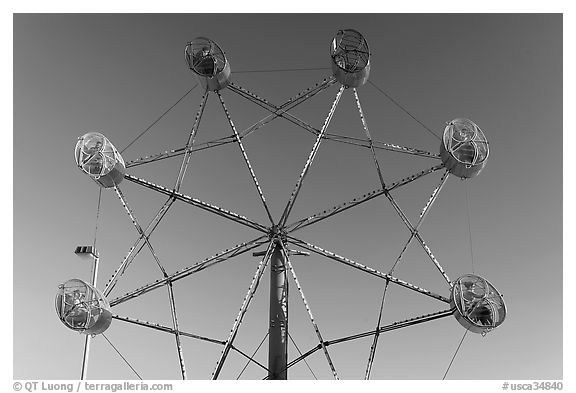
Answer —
(278, 327)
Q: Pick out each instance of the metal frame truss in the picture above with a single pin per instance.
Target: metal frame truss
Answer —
(276, 232)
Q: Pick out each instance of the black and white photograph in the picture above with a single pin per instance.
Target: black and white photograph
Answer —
(289, 196)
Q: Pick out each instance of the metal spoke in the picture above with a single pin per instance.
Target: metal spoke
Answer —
(382, 329)
(316, 329)
(418, 237)
(346, 140)
(256, 126)
(407, 150)
(396, 325)
(364, 268)
(131, 254)
(211, 261)
(358, 200)
(290, 103)
(170, 289)
(308, 93)
(367, 132)
(139, 228)
(156, 157)
(282, 111)
(310, 159)
(166, 329)
(358, 141)
(176, 330)
(180, 151)
(410, 179)
(254, 179)
(278, 111)
(423, 214)
(243, 92)
(421, 219)
(190, 142)
(365, 143)
(243, 308)
(198, 203)
(376, 335)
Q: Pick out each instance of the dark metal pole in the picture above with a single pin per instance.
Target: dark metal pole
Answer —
(278, 328)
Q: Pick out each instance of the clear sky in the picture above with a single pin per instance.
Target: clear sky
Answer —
(117, 73)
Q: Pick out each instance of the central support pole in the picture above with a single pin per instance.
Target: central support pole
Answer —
(278, 328)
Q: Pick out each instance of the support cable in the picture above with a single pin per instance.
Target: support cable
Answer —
(283, 70)
(469, 226)
(300, 352)
(159, 118)
(97, 217)
(455, 353)
(251, 357)
(318, 334)
(310, 159)
(241, 145)
(122, 356)
(403, 109)
(245, 303)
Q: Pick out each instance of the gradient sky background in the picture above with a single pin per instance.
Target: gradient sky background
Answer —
(117, 73)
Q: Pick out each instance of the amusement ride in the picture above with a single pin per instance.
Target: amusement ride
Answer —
(463, 152)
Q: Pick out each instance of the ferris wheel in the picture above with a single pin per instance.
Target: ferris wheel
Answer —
(470, 299)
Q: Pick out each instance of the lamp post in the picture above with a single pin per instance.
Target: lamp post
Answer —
(87, 252)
